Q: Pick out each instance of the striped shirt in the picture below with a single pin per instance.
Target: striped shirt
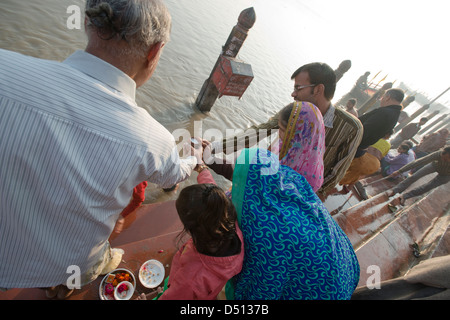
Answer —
(343, 134)
(73, 146)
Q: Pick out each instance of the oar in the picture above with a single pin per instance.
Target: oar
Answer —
(342, 206)
(368, 184)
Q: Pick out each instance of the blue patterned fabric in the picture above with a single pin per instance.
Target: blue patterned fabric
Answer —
(293, 247)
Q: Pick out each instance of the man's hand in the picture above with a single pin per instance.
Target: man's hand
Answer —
(195, 150)
(119, 225)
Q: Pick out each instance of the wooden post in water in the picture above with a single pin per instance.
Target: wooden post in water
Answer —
(440, 125)
(403, 115)
(445, 124)
(418, 112)
(209, 92)
(432, 115)
(400, 126)
(343, 68)
(407, 101)
(369, 103)
(432, 124)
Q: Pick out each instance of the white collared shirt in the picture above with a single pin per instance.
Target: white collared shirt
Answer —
(329, 117)
(73, 146)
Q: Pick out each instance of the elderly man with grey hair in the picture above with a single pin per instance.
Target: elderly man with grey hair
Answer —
(75, 144)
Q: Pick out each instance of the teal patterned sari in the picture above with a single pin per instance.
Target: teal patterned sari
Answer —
(293, 247)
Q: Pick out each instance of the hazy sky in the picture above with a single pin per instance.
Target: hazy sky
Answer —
(407, 40)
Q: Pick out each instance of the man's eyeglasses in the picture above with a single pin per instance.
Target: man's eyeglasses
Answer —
(299, 87)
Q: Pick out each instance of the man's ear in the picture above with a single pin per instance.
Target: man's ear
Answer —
(154, 50)
(319, 89)
(85, 24)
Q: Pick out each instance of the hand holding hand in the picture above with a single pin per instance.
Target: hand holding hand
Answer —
(194, 150)
(208, 157)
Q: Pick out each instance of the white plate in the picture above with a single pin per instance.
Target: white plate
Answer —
(151, 273)
(124, 295)
(101, 288)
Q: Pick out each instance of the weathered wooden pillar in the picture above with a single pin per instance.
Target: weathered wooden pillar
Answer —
(209, 92)
(418, 112)
(440, 125)
(432, 115)
(370, 103)
(407, 101)
(343, 68)
(400, 126)
(432, 124)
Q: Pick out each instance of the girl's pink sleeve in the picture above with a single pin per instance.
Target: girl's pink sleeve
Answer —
(205, 177)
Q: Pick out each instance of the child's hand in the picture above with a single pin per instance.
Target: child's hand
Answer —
(142, 296)
(208, 158)
(197, 152)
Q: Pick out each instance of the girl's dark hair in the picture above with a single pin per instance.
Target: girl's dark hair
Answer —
(446, 150)
(409, 143)
(285, 114)
(405, 146)
(208, 216)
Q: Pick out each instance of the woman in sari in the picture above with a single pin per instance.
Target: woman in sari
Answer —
(301, 143)
(293, 247)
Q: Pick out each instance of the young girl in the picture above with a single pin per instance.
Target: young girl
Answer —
(215, 251)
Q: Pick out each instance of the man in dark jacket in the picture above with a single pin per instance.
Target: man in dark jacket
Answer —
(380, 121)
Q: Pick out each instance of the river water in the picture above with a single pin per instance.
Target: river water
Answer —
(200, 27)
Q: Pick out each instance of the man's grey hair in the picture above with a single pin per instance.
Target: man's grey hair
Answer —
(141, 23)
(396, 94)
